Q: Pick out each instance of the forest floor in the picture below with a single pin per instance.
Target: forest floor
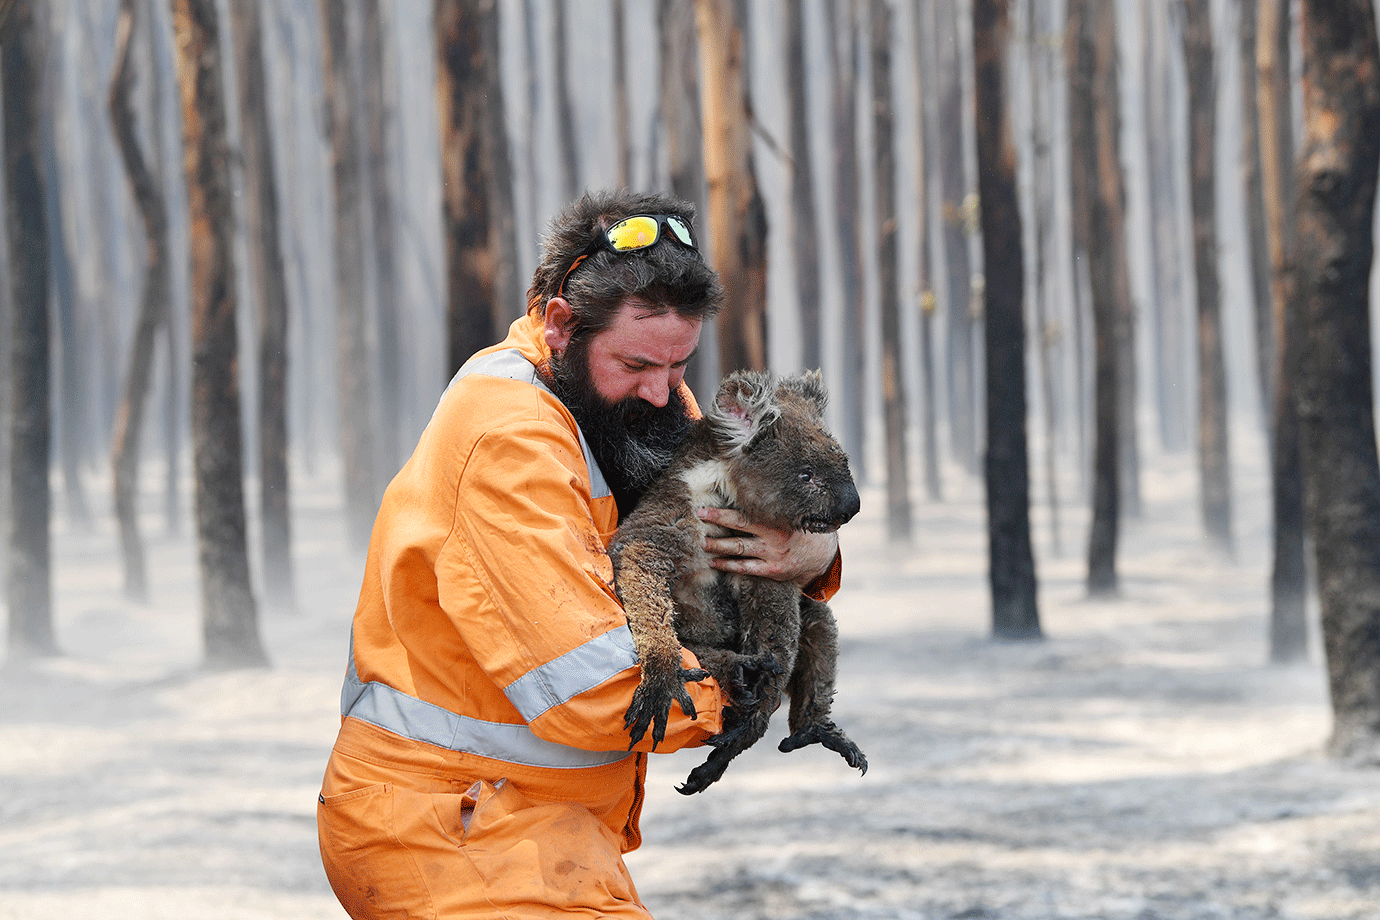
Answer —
(1141, 762)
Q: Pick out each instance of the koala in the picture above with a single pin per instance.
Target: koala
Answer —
(762, 449)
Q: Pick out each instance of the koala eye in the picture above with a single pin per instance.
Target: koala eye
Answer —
(805, 475)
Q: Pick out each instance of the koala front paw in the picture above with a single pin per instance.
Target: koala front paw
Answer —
(651, 703)
(751, 677)
(832, 737)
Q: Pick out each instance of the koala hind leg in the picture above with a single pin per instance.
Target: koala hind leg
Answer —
(770, 627)
(743, 727)
(812, 686)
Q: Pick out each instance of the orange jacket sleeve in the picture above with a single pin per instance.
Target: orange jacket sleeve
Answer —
(525, 577)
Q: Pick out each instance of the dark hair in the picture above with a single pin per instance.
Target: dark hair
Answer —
(667, 276)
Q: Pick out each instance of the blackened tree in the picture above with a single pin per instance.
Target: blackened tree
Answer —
(229, 613)
(30, 574)
(1335, 220)
(1015, 609)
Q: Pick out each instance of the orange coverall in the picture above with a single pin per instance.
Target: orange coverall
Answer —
(482, 766)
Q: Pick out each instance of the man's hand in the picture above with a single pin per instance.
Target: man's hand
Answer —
(794, 556)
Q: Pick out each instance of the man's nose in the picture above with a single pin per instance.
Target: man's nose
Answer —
(655, 389)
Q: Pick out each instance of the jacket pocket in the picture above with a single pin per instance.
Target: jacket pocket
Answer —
(372, 874)
(557, 855)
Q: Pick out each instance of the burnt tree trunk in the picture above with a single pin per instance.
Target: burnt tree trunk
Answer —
(1213, 453)
(378, 114)
(1099, 193)
(841, 47)
(922, 26)
(1015, 611)
(1288, 576)
(230, 616)
(1258, 244)
(29, 572)
(680, 100)
(357, 421)
(958, 209)
(737, 214)
(464, 68)
(510, 290)
(621, 130)
(153, 307)
(268, 276)
(1039, 88)
(1336, 202)
(569, 137)
(804, 222)
(679, 85)
(898, 515)
(72, 417)
(166, 152)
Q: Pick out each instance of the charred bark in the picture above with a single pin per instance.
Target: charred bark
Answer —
(1099, 193)
(1288, 576)
(1335, 221)
(268, 276)
(804, 222)
(679, 86)
(464, 71)
(568, 136)
(1258, 244)
(153, 308)
(230, 615)
(29, 571)
(737, 214)
(960, 218)
(841, 47)
(621, 131)
(929, 421)
(898, 514)
(1213, 448)
(378, 113)
(1015, 611)
(357, 414)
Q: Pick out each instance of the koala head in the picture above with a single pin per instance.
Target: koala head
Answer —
(787, 469)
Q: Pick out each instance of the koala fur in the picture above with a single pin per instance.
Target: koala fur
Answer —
(762, 449)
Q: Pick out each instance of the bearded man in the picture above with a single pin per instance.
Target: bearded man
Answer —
(482, 767)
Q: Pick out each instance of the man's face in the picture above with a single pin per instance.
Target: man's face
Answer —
(621, 387)
(642, 354)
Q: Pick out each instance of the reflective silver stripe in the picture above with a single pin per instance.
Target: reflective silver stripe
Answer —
(511, 365)
(573, 673)
(401, 714)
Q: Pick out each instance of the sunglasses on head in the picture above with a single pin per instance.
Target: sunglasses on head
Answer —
(631, 234)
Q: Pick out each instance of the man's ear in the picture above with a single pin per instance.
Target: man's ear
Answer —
(560, 324)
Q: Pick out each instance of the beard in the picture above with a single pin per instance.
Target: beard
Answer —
(632, 440)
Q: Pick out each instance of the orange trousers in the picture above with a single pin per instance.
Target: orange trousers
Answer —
(403, 843)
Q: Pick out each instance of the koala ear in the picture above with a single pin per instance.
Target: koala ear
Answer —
(809, 386)
(743, 408)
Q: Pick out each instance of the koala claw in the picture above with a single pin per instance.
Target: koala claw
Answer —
(703, 776)
(651, 705)
(829, 735)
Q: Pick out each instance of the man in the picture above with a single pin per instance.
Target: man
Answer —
(482, 767)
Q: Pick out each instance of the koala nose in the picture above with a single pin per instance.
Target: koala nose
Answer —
(849, 502)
